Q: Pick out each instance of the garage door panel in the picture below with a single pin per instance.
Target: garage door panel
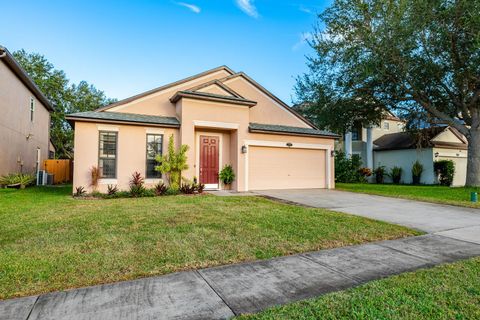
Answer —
(285, 168)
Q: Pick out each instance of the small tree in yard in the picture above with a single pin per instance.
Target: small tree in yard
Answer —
(173, 163)
(417, 58)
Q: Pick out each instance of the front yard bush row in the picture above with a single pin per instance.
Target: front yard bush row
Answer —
(349, 170)
(137, 189)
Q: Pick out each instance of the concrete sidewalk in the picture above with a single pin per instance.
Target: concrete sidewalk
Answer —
(222, 292)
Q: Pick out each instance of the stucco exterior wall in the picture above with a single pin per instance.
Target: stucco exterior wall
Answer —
(158, 104)
(266, 111)
(405, 160)
(16, 126)
(459, 157)
(131, 153)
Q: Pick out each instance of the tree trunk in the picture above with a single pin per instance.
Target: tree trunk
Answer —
(473, 160)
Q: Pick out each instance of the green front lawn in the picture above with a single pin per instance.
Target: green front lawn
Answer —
(50, 241)
(437, 194)
(450, 291)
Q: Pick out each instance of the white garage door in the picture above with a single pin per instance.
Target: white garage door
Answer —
(285, 168)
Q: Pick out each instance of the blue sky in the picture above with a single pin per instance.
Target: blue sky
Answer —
(127, 47)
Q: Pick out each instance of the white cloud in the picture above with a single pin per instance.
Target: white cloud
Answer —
(248, 7)
(189, 6)
(305, 9)
(303, 39)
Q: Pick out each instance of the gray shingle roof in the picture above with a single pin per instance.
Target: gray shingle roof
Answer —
(293, 130)
(124, 117)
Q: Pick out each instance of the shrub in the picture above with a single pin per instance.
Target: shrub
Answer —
(445, 171)
(417, 170)
(380, 174)
(348, 169)
(200, 187)
(188, 188)
(160, 189)
(112, 190)
(95, 176)
(80, 191)
(172, 192)
(173, 163)
(21, 179)
(227, 175)
(396, 174)
(136, 185)
(365, 172)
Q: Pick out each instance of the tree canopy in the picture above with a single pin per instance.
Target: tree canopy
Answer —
(65, 97)
(417, 58)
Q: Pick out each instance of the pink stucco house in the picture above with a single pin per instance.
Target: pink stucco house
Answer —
(225, 117)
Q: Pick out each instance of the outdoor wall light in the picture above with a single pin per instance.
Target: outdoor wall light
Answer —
(244, 149)
(289, 144)
(437, 154)
(332, 153)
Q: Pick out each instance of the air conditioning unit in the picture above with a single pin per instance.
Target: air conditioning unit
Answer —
(42, 178)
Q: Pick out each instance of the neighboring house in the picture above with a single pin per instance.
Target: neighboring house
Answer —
(224, 117)
(437, 143)
(25, 119)
(360, 139)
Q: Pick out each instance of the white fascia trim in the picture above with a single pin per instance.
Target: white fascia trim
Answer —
(194, 81)
(213, 124)
(283, 144)
(275, 102)
(216, 103)
(280, 144)
(154, 131)
(107, 128)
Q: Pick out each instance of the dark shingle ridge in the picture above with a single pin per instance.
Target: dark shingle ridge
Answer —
(124, 117)
(290, 129)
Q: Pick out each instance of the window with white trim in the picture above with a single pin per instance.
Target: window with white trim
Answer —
(107, 154)
(386, 125)
(154, 148)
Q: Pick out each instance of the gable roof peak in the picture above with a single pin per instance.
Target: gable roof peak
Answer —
(169, 85)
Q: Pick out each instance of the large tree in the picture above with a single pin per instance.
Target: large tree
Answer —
(65, 97)
(418, 58)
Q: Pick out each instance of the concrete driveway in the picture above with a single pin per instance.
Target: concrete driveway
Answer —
(455, 222)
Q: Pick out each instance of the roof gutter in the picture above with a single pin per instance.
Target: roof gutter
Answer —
(287, 133)
(72, 119)
(23, 76)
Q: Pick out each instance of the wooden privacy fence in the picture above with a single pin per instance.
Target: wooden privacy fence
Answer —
(61, 170)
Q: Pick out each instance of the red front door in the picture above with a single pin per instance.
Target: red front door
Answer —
(209, 160)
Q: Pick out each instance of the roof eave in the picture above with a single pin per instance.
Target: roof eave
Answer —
(73, 119)
(169, 85)
(180, 95)
(24, 77)
(336, 137)
(271, 95)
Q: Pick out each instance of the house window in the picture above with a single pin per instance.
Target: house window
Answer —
(386, 125)
(154, 148)
(32, 108)
(107, 154)
(357, 132)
